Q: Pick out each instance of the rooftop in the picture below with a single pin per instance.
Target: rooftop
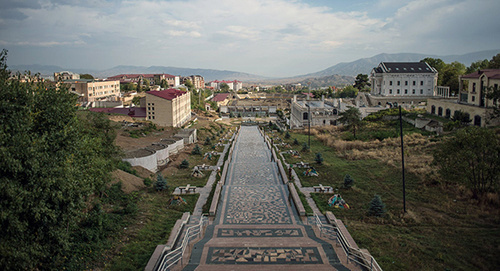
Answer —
(314, 104)
(404, 67)
(168, 94)
(220, 97)
(490, 73)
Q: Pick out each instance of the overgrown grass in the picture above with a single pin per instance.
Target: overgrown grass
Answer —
(303, 199)
(442, 230)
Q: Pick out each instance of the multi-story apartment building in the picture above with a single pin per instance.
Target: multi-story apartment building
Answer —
(65, 75)
(92, 90)
(472, 98)
(233, 85)
(170, 107)
(172, 80)
(197, 80)
(313, 112)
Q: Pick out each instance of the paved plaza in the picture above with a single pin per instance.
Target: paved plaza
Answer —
(255, 222)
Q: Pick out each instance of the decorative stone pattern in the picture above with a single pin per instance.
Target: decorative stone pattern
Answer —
(254, 174)
(256, 204)
(240, 255)
(284, 232)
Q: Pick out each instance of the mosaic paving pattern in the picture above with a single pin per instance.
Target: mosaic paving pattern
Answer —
(254, 174)
(263, 256)
(259, 233)
(256, 204)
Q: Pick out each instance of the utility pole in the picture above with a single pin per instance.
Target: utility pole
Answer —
(402, 158)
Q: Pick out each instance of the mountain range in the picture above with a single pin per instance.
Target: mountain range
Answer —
(339, 74)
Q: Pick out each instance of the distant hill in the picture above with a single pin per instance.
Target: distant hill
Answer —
(365, 65)
(208, 74)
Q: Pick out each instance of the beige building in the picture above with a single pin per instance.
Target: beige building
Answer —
(472, 98)
(170, 107)
(65, 75)
(92, 90)
(197, 80)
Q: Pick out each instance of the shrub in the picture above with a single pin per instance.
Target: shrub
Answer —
(147, 182)
(161, 183)
(287, 135)
(319, 159)
(377, 207)
(196, 150)
(184, 164)
(295, 142)
(348, 181)
(208, 141)
(305, 147)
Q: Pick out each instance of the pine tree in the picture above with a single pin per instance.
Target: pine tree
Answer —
(161, 183)
(196, 150)
(348, 181)
(208, 141)
(184, 164)
(319, 159)
(377, 207)
(287, 135)
(305, 147)
(295, 142)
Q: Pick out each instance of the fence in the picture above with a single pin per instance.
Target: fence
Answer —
(354, 254)
(176, 255)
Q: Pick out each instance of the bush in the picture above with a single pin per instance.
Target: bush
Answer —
(295, 142)
(161, 183)
(196, 150)
(319, 159)
(208, 141)
(305, 147)
(127, 167)
(287, 135)
(348, 181)
(377, 207)
(147, 182)
(184, 164)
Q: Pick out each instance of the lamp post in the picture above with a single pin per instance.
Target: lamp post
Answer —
(309, 123)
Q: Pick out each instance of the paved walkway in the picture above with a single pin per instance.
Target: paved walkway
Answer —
(255, 223)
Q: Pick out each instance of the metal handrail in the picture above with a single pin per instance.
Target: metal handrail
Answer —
(176, 255)
(352, 253)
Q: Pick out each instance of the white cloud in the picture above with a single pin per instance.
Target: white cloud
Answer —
(270, 37)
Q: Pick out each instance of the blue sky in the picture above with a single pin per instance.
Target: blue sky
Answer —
(265, 37)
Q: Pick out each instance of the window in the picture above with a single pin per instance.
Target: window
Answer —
(413, 92)
(153, 117)
(390, 83)
(421, 91)
(414, 83)
(406, 83)
(473, 87)
(149, 108)
(473, 98)
(398, 91)
(399, 83)
(421, 83)
(149, 117)
(390, 91)
(406, 91)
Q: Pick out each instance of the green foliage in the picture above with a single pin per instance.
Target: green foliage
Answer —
(127, 167)
(471, 157)
(494, 62)
(136, 100)
(447, 73)
(478, 65)
(196, 150)
(148, 182)
(184, 164)
(347, 92)
(224, 87)
(239, 115)
(51, 163)
(208, 141)
(189, 85)
(377, 207)
(231, 114)
(161, 183)
(319, 159)
(295, 142)
(461, 117)
(351, 118)
(287, 135)
(362, 82)
(86, 76)
(348, 181)
(305, 147)
(376, 116)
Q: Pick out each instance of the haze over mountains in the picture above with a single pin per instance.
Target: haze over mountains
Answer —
(344, 72)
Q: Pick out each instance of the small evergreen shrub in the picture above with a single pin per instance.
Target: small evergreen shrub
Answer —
(348, 181)
(377, 207)
(196, 150)
(319, 159)
(295, 142)
(161, 183)
(305, 147)
(208, 141)
(287, 135)
(184, 164)
(147, 182)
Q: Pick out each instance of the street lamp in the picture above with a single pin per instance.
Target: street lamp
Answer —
(309, 123)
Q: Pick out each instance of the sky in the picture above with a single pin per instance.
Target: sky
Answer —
(275, 38)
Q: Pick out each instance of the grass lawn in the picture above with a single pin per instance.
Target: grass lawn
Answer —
(442, 230)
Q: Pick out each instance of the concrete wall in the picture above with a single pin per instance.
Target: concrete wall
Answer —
(474, 111)
(148, 162)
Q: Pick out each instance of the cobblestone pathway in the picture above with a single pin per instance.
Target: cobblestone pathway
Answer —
(255, 223)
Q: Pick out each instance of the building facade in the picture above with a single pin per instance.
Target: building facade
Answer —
(170, 107)
(233, 85)
(312, 112)
(171, 80)
(197, 80)
(404, 79)
(92, 90)
(65, 75)
(471, 98)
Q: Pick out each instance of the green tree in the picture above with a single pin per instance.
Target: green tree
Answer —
(362, 82)
(494, 62)
(208, 141)
(461, 117)
(450, 75)
(224, 87)
(351, 118)
(348, 181)
(184, 164)
(347, 92)
(161, 183)
(437, 64)
(196, 150)
(305, 147)
(377, 207)
(471, 157)
(287, 135)
(295, 142)
(86, 76)
(136, 100)
(478, 65)
(189, 85)
(51, 164)
(319, 159)
(493, 94)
